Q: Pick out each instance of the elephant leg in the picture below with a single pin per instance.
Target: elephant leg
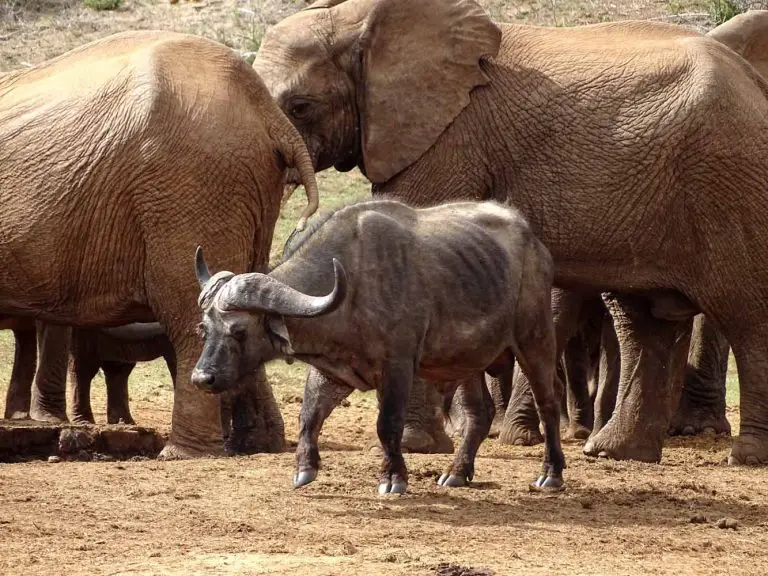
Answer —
(321, 395)
(116, 375)
(257, 424)
(608, 374)
(196, 428)
(49, 391)
(653, 356)
(751, 445)
(500, 388)
(521, 419)
(476, 406)
(424, 430)
(576, 361)
(83, 367)
(19, 395)
(702, 403)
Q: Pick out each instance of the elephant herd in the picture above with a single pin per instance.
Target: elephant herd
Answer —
(637, 152)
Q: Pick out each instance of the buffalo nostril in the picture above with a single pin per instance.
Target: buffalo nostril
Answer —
(203, 379)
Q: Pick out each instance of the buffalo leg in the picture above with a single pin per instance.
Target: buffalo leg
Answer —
(393, 398)
(476, 405)
(321, 395)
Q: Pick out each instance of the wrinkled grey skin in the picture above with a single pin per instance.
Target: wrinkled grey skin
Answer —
(504, 105)
(386, 320)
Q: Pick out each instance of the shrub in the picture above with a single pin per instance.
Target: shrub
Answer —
(102, 4)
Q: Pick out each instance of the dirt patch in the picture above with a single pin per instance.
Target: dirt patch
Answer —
(241, 515)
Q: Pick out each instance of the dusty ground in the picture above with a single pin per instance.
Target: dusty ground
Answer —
(240, 515)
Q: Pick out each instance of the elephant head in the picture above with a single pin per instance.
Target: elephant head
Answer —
(373, 83)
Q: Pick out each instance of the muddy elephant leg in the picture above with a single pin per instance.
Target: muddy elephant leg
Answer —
(49, 391)
(196, 419)
(653, 357)
(116, 375)
(521, 419)
(749, 349)
(424, 428)
(18, 397)
(476, 406)
(321, 395)
(608, 375)
(257, 424)
(83, 367)
(702, 404)
(580, 413)
(500, 388)
(393, 400)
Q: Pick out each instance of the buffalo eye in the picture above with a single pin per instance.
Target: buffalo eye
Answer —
(238, 334)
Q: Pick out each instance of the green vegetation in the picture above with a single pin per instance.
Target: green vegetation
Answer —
(723, 10)
(102, 4)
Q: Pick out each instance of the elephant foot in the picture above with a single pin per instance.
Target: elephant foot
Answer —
(691, 420)
(422, 441)
(496, 425)
(749, 450)
(520, 435)
(83, 418)
(576, 432)
(610, 442)
(120, 419)
(394, 484)
(17, 415)
(254, 441)
(304, 477)
(40, 414)
(173, 451)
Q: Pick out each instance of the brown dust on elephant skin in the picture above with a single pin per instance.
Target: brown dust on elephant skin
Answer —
(241, 516)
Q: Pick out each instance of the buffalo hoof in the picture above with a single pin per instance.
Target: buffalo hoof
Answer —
(394, 485)
(453, 481)
(548, 483)
(304, 477)
(748, 451)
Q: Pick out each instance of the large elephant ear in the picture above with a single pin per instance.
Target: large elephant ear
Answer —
(420, 60)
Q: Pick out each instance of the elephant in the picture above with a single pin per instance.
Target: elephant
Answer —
(702, 404)
(117, 159)
(635, 126)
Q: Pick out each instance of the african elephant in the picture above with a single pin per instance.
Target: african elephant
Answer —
(118, 158)
(637, 126)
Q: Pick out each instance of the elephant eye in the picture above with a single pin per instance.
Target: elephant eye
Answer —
(299, 109)
(201, 331)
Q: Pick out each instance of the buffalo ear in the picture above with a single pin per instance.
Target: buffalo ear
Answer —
(420, 61)
(277, 328)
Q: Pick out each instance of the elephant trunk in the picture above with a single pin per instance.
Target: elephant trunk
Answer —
(298, 162)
